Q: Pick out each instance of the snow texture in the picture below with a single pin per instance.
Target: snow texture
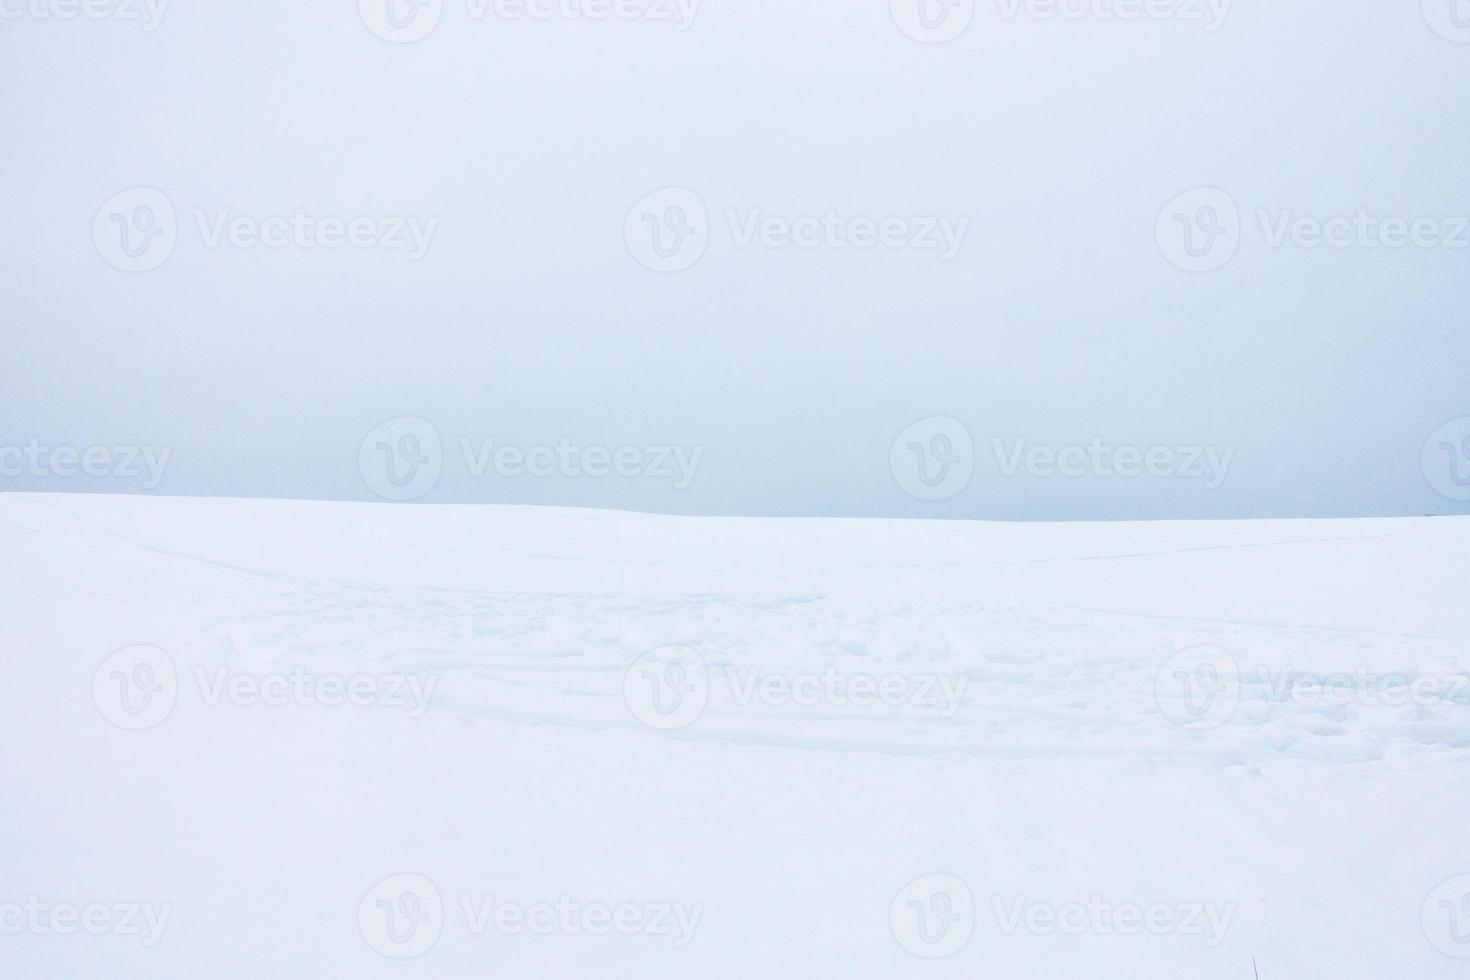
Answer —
(598, 744)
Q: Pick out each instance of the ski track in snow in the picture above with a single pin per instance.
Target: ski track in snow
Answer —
(1042, 680)
(1057, 776)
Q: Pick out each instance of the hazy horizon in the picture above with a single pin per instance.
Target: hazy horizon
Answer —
(797, 245)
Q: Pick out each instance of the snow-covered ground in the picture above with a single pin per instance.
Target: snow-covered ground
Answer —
(524, 742)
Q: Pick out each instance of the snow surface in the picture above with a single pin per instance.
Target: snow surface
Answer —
(1063, 775)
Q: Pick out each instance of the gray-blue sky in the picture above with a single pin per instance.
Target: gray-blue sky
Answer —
(1060, 320)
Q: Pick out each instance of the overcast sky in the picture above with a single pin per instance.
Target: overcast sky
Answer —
(836, 257)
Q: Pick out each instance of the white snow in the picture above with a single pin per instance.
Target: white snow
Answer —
(887, 727)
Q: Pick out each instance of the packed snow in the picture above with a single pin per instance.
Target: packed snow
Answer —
(306, 740)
